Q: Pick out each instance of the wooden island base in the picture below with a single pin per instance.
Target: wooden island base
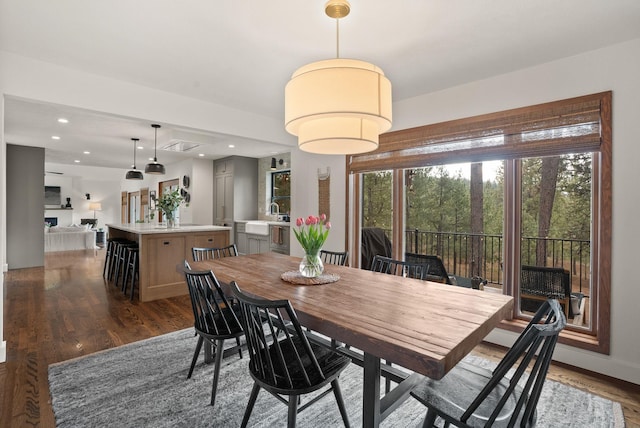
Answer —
(162, 249)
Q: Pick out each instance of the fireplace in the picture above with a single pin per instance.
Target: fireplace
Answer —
(53, 221)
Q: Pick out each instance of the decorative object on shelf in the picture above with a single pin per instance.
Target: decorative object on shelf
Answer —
(68, 203)
(295, 277)
(338, 106)
(134, 174)
(155, 167)
(168, 204)
(312, 233)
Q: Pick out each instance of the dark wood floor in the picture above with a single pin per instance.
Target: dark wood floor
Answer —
(67, 310)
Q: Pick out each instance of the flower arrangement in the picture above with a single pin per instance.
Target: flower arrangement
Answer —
(312, 232)
(168, 203)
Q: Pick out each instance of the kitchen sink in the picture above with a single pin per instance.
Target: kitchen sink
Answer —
(257, 227)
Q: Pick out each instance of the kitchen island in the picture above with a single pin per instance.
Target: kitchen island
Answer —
(162, 249)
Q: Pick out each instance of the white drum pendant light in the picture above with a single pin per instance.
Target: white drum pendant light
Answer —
(338, 106)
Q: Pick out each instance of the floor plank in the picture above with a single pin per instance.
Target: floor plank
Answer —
(66, 310)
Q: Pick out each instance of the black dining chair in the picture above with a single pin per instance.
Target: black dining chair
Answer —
(282, 360)
(436, 271)
(398, 267)
(334, 257)
(471, 396)
(215, 319)
(208, 253)
(540, 283)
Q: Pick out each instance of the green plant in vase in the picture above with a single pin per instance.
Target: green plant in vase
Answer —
(312, 233)
(167, 204)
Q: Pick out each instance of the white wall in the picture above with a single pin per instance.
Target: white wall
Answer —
(103, 184)
(304, 195)
(200, 173)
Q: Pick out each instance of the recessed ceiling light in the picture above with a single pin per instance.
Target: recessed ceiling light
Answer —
(150, 159)
(201, 154)
(77, 161)
(63, 120)
(231, 146)
(86, 152)
(140, 147)
(55, 137)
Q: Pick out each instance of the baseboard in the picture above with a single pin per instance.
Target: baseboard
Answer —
(584, 360)
(3, 351)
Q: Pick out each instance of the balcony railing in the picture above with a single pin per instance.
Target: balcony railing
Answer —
(468, 254)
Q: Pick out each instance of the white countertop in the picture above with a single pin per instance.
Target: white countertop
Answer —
(273, 222)
(150, 228)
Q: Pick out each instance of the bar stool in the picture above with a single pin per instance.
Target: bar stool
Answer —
(121, 260)
(109, 256)
(133, 269)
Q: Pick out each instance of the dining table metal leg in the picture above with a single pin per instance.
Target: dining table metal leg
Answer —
(371, 391)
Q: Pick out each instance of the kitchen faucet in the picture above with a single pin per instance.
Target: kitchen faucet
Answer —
(277, 209)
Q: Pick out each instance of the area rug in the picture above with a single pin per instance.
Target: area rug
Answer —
(145, 384)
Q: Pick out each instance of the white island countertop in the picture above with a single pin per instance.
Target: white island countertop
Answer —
(149, 228)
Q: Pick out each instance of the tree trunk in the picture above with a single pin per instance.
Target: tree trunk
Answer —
(548, 180)
(477, 218)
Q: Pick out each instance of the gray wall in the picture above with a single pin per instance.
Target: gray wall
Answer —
(25, 206)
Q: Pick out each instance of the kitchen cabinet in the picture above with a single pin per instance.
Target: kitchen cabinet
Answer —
(258, 243)
(241, 238)
(236, 189)
(279, 239)
(162, 250)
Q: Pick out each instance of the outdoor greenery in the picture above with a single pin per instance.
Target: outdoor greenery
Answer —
(438, 200)
(556, 203)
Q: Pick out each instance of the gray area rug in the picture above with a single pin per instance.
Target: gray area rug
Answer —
(144, 384)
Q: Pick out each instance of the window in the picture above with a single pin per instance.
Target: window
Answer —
(522, 217)
(281, 192)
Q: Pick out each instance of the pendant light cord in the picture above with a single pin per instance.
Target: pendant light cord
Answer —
(135, 142)
(155, 144)
(337, 38)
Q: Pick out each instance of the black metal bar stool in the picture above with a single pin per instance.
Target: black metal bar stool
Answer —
(132, 269)
(110, 255)
(121, 260)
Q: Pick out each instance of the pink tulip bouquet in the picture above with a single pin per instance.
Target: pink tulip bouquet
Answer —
(312, 232)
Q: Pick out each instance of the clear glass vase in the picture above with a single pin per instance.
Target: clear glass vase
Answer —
(171, 221)
(311, 265)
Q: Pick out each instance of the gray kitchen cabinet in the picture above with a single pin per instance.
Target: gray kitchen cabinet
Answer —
(236, 189)
(241, 238)
(279, 239)
(258, 243)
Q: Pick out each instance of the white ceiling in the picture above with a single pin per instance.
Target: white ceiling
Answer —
(241, 54)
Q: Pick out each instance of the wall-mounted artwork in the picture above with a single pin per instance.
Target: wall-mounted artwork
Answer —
(52, 197)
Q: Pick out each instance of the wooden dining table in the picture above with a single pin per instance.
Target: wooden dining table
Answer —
(422, 326)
